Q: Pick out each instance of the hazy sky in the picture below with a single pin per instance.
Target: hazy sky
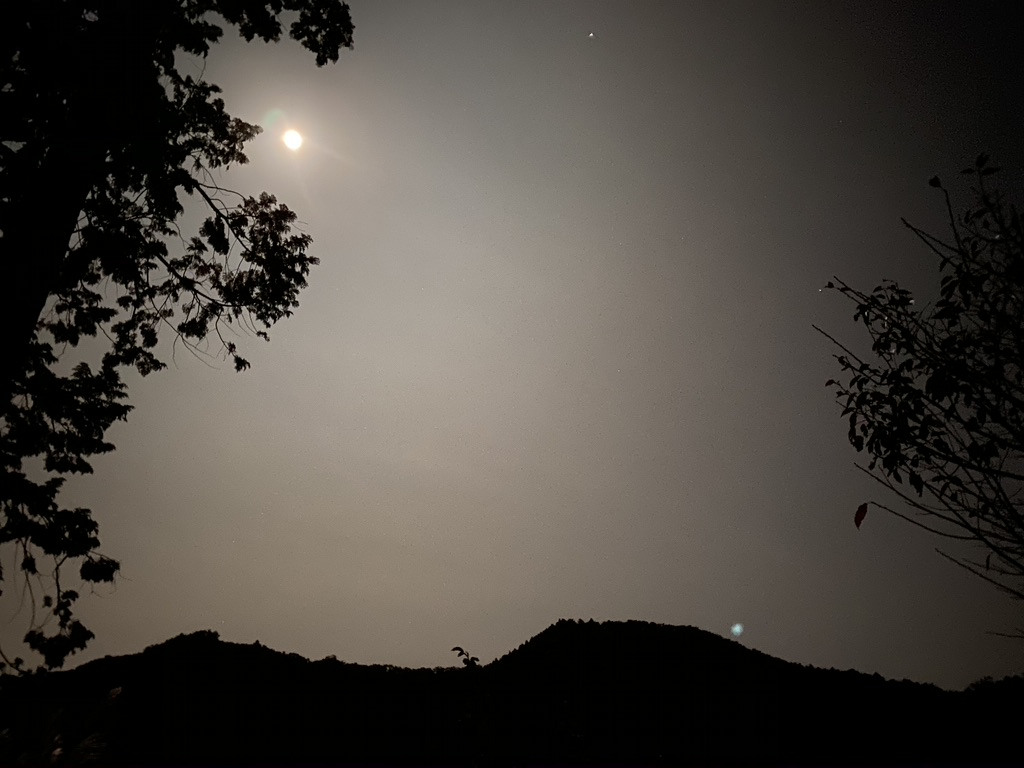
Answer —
(557, 360)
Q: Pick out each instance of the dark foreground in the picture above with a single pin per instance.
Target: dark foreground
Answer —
(612, 693)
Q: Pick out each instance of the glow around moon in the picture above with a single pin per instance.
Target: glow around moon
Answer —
(292, 139)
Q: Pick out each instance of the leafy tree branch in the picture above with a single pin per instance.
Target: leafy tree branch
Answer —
(102, 138)
(941, 408)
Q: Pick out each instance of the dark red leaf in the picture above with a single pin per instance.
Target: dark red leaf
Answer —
(858, 518)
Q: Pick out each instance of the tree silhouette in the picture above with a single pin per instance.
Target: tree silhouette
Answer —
(941, 408)
(101, 138)
(468, 661)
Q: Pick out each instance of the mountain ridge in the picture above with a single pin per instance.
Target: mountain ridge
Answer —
(577, 691)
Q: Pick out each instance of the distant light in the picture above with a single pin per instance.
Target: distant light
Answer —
(591, 35)
(737, 630)
(292, 139)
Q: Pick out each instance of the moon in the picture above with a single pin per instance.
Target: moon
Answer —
(292, 139)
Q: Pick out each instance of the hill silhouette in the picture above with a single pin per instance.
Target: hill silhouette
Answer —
(589, 692)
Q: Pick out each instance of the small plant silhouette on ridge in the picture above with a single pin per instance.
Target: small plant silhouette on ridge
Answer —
(467, 660)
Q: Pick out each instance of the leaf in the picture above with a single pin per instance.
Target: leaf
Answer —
(99, 569)
(862, 512)
(934, 182)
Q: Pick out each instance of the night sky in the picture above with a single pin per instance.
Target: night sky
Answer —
(557, 360)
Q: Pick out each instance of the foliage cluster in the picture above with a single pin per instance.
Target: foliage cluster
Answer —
(102, 140)
(941, 407)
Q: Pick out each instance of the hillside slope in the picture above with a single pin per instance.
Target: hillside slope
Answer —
(577, 692)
